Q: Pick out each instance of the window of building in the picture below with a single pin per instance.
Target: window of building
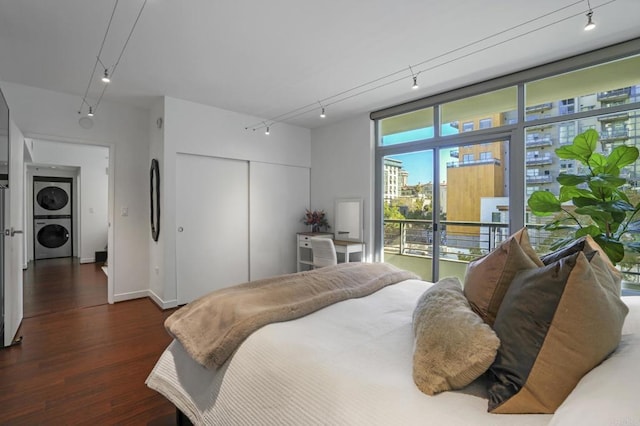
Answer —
(467, 158)
(487, 155)
(467, 127)
(486, 123)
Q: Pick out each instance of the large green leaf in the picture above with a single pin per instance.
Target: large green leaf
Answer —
(567, 179)
(596, 213)
(586, 141)
(584, 201)
(621, 156)
(592, 230)
(570, 152)
(620, 195)
(571, 192)
(544, 203)
(609, 181)
(617, 206)
(598, 163)
(613, 249)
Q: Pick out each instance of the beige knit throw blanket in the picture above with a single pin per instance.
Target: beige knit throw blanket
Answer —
(212, 327)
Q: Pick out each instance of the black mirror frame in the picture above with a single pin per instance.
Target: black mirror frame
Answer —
(155, 190)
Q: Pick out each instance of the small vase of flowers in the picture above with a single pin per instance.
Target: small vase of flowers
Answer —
(317, 219)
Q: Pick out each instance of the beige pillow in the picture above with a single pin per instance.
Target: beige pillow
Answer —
(453, 346)
(489, 277)
(555, 324)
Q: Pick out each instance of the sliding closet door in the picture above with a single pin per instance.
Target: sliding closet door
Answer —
(279, 196)
(212, 219)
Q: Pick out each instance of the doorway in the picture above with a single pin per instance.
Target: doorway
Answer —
(79, 278)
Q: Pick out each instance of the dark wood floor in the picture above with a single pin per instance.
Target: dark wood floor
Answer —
(81, 360)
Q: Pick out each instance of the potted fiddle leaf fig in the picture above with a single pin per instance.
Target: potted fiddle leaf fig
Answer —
(593, 202)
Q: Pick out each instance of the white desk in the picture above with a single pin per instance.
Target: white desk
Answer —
(305, 255)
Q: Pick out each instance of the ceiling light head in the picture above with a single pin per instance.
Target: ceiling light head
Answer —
(322, 114)
(105, 77)
(415, 82)
(266, 132)
(90, 113)
(590, 24)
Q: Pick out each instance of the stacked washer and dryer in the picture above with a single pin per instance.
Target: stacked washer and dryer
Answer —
(52, 217)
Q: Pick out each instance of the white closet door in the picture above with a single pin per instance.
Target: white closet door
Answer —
(212, 219)
(279, 196)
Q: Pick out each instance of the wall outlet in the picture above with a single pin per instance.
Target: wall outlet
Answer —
(124, 211)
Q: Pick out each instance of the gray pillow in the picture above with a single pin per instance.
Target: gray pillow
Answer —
(453, 346)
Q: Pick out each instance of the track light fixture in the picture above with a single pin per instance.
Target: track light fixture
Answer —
(590, 24)
(322, 114)
(105, 77)
(90, 113)
(266, 132)
(415, 79)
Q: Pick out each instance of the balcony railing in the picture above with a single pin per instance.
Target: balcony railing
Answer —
(539, 161)
(614, 136)
(540, 179)
(613, 118)
(536, 142)
(538, 108)
(614, 95)
(462, 242)
(453, 164)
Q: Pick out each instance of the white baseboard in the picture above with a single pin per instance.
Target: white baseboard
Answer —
(130, 296)
(162, 303)
(87, 260)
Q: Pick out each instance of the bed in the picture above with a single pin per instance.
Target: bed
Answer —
(350, 363)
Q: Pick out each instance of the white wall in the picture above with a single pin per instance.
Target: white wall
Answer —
(157, 248)
(342, 167)
(47, 115)
(91, 198)
(193, 128)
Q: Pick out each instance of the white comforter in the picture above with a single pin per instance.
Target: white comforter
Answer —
(347, 364)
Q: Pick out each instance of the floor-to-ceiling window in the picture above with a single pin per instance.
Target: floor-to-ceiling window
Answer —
(455, 170)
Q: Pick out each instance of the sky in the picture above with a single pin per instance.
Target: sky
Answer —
(420, 164)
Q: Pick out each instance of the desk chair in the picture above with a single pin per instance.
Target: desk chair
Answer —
(324, 252)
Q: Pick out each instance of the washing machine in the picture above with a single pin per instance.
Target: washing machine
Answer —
(51, 197)
(52, 237)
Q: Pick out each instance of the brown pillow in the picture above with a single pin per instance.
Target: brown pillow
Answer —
(489, 277)
(453, 346)
(555, 324)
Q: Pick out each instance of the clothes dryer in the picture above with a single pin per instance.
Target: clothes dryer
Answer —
(51, 197)
(52, 237)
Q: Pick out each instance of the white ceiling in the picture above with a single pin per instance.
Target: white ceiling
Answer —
(267, 58)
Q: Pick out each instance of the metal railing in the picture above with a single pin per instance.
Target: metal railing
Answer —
(465, 241)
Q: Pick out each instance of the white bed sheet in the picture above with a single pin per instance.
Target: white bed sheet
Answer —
(347, 364)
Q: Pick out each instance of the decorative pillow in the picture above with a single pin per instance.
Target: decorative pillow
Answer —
(555, 324)
(453, 346)
(489, 277)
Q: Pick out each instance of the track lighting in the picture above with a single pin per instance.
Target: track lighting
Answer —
(105, 77)
(590, 24)
(415, 82)
(322, 114)
(266, 132)
(90, 113)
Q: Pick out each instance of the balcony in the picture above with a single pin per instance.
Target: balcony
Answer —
(614, 118)
(614, 95)
(540, 179)
(614, 136)
(539, 161)
(535, 142)
(454, 164)
(539, 108)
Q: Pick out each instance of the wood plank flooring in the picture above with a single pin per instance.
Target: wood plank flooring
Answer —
(83, 364)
